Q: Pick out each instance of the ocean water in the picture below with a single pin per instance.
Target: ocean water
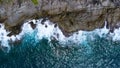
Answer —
(47, 47)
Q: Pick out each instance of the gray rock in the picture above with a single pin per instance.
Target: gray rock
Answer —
(71, 15)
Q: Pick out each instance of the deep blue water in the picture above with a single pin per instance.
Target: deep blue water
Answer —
(32, 53)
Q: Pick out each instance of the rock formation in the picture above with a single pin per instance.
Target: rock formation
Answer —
(70, 15)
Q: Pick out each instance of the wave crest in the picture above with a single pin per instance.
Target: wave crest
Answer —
(50, 31)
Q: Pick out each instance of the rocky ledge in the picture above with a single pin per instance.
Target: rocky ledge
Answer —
(70, 15)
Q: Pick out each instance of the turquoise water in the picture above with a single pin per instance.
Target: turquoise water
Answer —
(32, 53)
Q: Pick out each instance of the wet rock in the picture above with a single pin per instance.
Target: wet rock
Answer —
(42, 22)
(32, 25)
(55, 25)
(15, 30)
(46, 26)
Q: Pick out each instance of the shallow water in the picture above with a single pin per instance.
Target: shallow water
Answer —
(86, 50)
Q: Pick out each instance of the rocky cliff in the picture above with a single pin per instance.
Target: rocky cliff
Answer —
(71, 15)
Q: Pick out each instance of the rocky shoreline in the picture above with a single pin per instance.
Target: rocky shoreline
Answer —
(70, 15)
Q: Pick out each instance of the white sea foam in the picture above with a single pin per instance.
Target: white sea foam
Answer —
(116, 35)
(102, 32)
(49, 31)
(3, 37)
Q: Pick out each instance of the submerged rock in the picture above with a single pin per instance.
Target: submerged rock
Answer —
(70, 15)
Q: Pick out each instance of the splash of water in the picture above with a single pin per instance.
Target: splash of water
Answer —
(45, 46)
(50, 31)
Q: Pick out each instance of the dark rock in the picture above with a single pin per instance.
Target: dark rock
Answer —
(32, 25)
(46, 26)
(14, 30)
(55, 25)
(42, 22)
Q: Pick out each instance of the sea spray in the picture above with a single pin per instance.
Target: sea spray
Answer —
(3, 37)
(50, 32)
(46, 46)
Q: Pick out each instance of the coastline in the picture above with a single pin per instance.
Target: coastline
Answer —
(71, 16)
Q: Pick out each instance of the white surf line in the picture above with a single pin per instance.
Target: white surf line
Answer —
(3, 37)
(52, 32)
(115, 35)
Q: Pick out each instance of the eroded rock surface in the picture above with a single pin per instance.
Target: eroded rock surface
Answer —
(71, 15)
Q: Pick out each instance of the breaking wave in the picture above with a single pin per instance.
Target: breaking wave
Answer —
(42, 44)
